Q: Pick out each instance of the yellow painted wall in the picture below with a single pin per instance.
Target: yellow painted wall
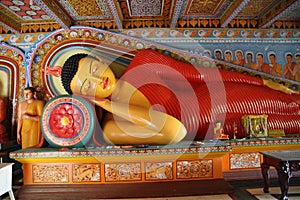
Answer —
(3, 84)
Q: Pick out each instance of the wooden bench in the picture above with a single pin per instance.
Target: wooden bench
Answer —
(284, 162)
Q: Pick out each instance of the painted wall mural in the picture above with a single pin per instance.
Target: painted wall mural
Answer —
(279, 42)
(273, 45)
(219, 37)
(216, 48)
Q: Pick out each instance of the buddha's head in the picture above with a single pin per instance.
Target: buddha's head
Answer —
(86, 75)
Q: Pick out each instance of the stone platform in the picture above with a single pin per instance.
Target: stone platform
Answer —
(106, 165)
(185, 169)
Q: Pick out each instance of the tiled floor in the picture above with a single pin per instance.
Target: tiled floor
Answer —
(294, 193)
(254, 194)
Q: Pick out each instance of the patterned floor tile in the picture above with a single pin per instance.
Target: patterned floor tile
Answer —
(293, 193)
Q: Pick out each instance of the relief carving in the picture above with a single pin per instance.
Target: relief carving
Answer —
(86, 172)
(50, 173)
(194, 169)
(244, 160)
(159, 171)
(122, 172)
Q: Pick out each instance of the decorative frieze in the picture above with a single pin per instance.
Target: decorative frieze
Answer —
(86, 172)
(244, 160)
(188, 169)
(48, 173)
(159, 171)
(122, 172)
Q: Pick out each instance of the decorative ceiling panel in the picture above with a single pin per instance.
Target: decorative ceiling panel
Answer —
(254, 8)
(25, 10)
(278, 10)
(145, 7)
(44, 15)
(86, 9)
(204, 7)
(292, 14)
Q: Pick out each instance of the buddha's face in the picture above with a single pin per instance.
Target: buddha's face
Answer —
(93, 78)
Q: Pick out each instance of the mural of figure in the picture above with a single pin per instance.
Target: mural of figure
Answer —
(239, 58)
(250, 63)
(207, 53)
(29, 111)
(261, 65)
(275, 68)
(161, 100)
(296, 71)
(218, 56)
(289, 67)
(228, 57)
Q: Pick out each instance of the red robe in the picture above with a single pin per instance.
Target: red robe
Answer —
(199, 97)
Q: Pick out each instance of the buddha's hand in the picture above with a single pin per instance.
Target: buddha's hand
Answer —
(279, 87)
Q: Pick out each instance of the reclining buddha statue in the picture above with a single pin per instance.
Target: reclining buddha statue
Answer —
(161, 100)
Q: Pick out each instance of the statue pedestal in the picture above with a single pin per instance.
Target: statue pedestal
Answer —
(48, 169)
(177, 170)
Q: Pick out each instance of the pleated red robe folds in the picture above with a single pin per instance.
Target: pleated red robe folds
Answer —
(199, 97)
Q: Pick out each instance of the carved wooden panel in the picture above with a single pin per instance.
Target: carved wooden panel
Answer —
(194, 169)
(86, 172)
(122, 172)
(58, 173)
(244, 160)
(159, 171)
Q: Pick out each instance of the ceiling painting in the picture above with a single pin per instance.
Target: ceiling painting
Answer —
(204, 7)
(30, 16)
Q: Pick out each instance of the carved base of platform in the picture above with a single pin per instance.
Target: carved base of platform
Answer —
(108, 166)
(178, 170)
(132, 190)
